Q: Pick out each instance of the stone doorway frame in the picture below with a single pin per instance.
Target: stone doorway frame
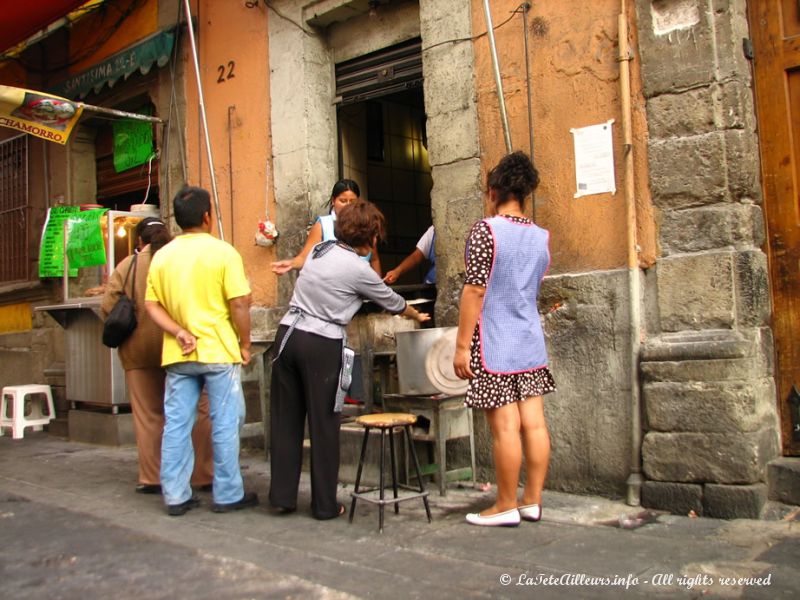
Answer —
(304, 45)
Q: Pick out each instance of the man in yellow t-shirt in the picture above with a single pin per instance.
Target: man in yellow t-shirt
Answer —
(198, 294)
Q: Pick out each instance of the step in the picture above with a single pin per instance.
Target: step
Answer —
(783, 479)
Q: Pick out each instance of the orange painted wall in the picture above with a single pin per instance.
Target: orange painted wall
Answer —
(94, 38)
(234, 66)
(575, 83)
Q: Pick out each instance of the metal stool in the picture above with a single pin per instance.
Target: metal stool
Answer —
(386, 423)
(13, 397)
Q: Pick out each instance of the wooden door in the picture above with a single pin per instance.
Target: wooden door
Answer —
(775, 31)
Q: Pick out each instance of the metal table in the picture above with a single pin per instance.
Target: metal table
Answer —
(94, 374)
(440, 418)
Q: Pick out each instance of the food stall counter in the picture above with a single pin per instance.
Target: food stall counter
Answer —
(94, 374)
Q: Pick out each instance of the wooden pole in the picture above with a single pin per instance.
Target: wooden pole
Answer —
(119, 113)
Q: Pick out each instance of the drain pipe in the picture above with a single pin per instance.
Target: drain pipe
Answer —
(526, 6)
(497, 79)
(635, 479)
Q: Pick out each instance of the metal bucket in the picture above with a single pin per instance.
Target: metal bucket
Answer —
(412, 349)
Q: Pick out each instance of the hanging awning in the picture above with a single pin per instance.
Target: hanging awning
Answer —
(153, 50)
(19, 20)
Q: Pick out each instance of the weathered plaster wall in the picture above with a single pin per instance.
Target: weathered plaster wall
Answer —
(587, 325)
(303, 128)
(233, 55)
(586, 321)
(454, 151)
(584, 299)
(304, 48)
(575, 83)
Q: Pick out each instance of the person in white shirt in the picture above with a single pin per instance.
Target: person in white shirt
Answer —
(424, 250)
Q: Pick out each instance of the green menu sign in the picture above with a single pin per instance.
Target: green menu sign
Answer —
(85, 246)
(51, 246)
(133, 143)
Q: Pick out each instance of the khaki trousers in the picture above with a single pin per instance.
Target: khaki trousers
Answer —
(146, 394)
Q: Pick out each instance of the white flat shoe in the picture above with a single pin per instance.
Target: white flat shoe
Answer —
(530, 512)
(509, 518)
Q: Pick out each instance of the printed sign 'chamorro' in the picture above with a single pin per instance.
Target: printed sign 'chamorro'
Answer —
(45, 116)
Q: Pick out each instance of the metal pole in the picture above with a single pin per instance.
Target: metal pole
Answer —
(203, 117)
(497, 79)
(525, 8)
(230, 166)
(635, 479)
(119, 113)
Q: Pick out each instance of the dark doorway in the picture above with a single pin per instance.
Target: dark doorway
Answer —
(383, 146)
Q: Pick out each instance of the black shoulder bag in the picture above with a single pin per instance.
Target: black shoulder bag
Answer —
(121, 321)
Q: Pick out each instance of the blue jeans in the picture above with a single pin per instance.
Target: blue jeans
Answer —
(184, 383)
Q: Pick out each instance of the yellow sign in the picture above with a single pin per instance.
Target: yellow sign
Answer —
(46, 116)
(15, 317)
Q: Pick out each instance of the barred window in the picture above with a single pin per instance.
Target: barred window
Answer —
(14, 213)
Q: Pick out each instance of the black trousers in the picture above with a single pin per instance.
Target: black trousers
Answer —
(304, 381)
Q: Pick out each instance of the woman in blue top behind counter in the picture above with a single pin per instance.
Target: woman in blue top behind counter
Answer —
(344, 192)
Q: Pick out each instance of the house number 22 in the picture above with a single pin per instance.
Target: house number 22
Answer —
(223, 76)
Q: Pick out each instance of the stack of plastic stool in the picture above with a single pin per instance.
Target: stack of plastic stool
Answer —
(14, 400)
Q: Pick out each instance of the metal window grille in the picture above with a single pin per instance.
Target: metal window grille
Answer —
(14, 259)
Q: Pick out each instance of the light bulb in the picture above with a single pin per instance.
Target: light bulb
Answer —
(121, 232)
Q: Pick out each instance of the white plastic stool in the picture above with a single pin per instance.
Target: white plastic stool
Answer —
(18, 420)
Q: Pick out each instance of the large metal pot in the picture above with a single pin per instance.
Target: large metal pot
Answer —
(412, 350)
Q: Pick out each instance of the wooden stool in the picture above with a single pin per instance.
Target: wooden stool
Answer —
(386, 423)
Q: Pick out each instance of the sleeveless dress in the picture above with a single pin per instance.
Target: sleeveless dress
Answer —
(500, 378)
(328, 222)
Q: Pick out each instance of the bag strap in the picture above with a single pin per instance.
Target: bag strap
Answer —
(133, 284)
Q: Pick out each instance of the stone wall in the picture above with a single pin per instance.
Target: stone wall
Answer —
(586, 320)
(706, 370)
(304, 124)
(708, 394)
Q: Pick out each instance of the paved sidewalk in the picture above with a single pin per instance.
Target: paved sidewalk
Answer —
(71, 527)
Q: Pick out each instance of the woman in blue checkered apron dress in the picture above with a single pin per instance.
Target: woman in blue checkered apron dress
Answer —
(500, 345)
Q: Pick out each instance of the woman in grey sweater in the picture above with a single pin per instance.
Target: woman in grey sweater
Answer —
(309, 355)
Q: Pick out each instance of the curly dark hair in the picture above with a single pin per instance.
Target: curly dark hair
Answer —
(358, 223)
(514, 176)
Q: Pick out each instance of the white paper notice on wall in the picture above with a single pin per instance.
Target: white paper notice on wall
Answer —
(594, 159)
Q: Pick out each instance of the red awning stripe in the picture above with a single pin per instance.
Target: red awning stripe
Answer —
(20, 20)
